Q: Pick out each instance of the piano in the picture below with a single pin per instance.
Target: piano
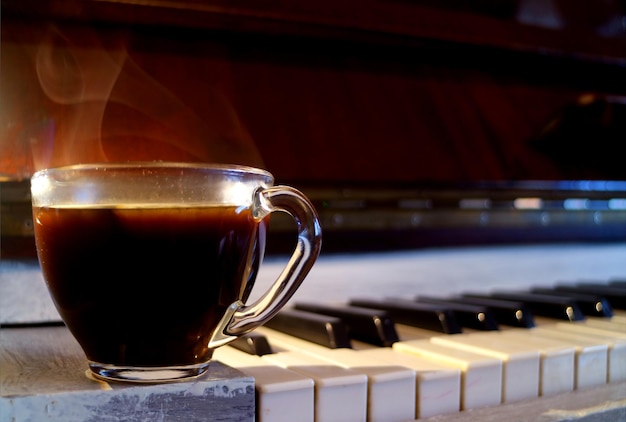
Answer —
(453, 152)
(559, 370)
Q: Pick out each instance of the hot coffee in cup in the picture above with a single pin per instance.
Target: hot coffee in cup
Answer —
(150, 264)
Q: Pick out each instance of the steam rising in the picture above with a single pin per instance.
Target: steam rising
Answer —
(100, 105)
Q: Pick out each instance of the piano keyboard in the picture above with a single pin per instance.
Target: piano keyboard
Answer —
(413, 358)
(304, 383)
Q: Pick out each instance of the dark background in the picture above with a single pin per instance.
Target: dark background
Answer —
(364, 105)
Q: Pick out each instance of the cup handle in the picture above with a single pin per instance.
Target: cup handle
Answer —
(239, 318)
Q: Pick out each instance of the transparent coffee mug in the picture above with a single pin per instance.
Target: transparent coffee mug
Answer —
(150, 264)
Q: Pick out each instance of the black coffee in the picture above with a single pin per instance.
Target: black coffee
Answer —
(146, 286)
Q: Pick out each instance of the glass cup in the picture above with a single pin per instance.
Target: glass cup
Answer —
(150, 264)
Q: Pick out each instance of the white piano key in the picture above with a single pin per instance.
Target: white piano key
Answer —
(619, 317)
(438, 386)
(481, 375)
(521, 365)
(340, 393)
(612, 324)
(591, 356)
(557, 359)
(282, 395)
(610, 330)
(585, 328)
(407, 332)
(391, 388)
(594, 370)
(615, 341)
(557, 362)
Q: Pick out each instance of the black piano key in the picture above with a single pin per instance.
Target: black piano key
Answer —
(515, 314)
(615, 295)
(423, 315)
(324, 330)
(253, 344)
(558, 307)
(468, 315)
(369, 325)
(590, 304)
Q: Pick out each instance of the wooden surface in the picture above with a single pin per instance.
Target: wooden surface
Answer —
(43, 377)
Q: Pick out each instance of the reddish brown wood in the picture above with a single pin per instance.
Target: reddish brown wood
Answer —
(386, 92)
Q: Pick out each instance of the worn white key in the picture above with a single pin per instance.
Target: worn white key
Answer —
(619, 316)
(481, 380)
(610, 330)
(615, 341)
(619, 319)
(438, 386)
(282, 395)
(591, 356)
(582, 327)
(557, 359)
(521, 365)
(340, 393)
(557, 364)
(407, 332)
(391, 388)
(612, 324)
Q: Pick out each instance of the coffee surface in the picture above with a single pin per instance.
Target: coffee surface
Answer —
(146, 286)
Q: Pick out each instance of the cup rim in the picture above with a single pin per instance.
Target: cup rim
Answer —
(131, 165)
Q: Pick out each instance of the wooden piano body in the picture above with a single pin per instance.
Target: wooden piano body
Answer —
(411, 125)
(361, 92)
(397, 118)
